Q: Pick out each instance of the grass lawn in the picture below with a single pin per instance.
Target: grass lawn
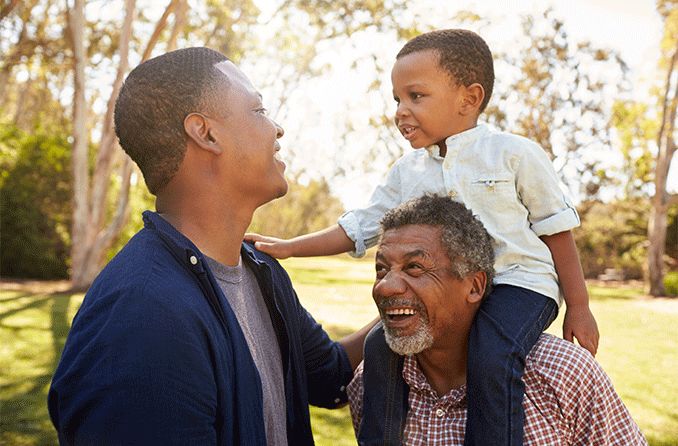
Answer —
(638, 349)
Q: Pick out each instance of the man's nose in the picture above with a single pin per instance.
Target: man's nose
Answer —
(392, 284)
(279, 130)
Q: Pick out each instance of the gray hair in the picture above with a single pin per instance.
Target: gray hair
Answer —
(465, 239)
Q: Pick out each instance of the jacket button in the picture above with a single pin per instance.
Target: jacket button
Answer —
(193, 260)
(337, 400)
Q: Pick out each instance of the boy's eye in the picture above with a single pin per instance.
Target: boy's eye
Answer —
(396, 99)
(416, 95)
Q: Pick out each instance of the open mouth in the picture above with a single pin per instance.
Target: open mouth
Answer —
(399, 316)
(276, 156)
(408, 131)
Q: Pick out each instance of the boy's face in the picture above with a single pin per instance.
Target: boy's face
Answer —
(430, 104)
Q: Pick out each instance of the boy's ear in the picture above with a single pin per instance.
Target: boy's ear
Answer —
(198, 128)
(478, 285)
(473, 97)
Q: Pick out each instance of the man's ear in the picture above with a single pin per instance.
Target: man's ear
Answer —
(198, 129)
(478, 284)
(473, 97)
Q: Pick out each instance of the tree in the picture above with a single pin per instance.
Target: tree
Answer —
(91, 235)
(35, 189)
(666, 148)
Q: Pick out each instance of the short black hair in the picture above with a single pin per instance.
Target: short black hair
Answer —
(153, 103)
(463, 54)
(465, 239)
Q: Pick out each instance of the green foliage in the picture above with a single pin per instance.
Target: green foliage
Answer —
(35, 214)
(671, 283)
(613, 235)
(635, 131)
(304, 209)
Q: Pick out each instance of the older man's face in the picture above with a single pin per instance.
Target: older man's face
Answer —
(418, 297)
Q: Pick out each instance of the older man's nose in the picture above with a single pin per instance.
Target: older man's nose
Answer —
(392, 284)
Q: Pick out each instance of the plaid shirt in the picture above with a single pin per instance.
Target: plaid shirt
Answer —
(569, 400)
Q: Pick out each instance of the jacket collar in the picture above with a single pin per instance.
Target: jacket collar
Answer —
(184, 249)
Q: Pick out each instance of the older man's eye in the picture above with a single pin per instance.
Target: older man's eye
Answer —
(381, 271)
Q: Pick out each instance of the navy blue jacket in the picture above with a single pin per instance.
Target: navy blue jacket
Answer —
(155, 354)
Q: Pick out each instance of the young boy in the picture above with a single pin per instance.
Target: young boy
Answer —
(442, 81)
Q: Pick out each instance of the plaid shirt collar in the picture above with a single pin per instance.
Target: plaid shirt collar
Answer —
(415, 378)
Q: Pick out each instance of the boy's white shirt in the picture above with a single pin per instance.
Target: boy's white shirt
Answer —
(506, 180)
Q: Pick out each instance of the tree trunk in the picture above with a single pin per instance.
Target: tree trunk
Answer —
(93, 233)
(660, 201)
(76, 24)
(90, 236)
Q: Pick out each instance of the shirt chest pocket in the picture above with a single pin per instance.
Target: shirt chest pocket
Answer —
(493, 191)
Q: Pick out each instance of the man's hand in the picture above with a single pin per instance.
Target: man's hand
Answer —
(579, 323)
(275, 247)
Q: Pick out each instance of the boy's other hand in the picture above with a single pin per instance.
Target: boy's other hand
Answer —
(275, 247)
(579, 323)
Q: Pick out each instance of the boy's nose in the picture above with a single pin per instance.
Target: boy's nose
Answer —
(401, 111)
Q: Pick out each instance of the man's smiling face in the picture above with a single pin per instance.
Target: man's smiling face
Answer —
(418, 296)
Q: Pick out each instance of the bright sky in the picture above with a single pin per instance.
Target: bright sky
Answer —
(633, 28)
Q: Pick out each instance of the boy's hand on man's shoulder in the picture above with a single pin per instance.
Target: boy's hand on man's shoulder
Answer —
(579, 323)
(275, 247)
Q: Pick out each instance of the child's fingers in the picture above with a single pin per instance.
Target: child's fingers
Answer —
(252, 237)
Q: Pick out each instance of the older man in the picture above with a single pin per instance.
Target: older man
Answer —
(434, 266)
(189, 336)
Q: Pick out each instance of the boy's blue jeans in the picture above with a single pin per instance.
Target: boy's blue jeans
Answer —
(506, 327)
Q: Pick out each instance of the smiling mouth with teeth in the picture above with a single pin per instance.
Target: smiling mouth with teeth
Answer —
(407, 131)
(399, 313)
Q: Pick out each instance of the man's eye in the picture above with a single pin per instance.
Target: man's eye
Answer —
(381, 271)
(415, 96)
(263, 111)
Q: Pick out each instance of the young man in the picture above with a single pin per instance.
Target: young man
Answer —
(189, 336)
(434, 268)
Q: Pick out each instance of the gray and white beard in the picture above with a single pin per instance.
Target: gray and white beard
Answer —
(409, 345)
(412, 344)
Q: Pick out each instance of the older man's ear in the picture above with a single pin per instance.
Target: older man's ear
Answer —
(478, 283)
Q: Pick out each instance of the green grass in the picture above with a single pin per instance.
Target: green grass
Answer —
(638, 348)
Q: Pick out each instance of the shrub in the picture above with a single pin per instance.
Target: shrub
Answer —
(671, 283)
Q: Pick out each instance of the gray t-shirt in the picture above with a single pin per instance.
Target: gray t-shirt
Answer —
(241, 289)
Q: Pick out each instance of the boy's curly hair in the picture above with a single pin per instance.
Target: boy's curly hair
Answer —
(462, 53)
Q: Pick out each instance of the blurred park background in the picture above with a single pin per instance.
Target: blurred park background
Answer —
(594, 82)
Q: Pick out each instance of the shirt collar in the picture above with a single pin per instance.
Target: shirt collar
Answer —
(183, 248)
(455, 142)
(418, 383)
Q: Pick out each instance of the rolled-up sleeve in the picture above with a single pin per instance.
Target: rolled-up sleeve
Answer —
(362, 225)
(550, 209)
